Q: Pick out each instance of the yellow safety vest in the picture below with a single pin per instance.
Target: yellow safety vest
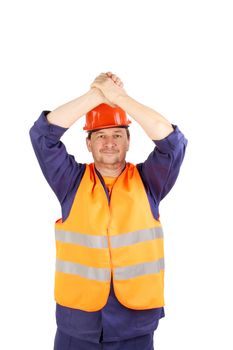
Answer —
(101, 239)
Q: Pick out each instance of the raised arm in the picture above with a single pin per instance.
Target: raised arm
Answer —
(70, 112)
(60, 168)
(160, 170)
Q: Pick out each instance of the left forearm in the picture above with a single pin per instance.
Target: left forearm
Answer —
(154, 124)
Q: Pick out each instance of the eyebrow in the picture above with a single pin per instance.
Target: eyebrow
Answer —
(102, 132)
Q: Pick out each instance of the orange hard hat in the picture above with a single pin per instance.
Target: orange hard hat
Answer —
(104, 116)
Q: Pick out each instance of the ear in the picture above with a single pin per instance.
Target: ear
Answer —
(88, 142)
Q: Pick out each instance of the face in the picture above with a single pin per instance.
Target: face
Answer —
(108, 146)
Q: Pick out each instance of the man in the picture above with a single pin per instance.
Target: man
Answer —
(109, 241)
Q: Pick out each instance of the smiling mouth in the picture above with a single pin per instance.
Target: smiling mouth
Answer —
(109, 152)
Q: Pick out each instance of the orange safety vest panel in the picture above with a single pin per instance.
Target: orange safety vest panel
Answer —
(101, 240)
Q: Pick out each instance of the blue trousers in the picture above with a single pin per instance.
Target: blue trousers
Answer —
(66, 342)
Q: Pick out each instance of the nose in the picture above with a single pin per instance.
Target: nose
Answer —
(110, 141)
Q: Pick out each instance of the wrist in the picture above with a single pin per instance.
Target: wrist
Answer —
(121, 99)
(95, 95)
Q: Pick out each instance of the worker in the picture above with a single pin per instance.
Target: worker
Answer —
(109, 271)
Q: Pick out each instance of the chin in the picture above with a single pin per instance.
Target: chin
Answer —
(110, 161)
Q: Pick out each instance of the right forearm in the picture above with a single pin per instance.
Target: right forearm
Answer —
(70, 112)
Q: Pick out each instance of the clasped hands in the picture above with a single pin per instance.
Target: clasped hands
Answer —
(110, 88)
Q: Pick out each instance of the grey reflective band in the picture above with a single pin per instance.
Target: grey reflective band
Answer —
(117, 241)
(90, 241)
(123, 273)
(136, 237)
(102, 274)
(93, 273)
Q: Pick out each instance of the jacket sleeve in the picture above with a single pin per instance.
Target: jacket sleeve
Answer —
(59, 168)
(160, 170)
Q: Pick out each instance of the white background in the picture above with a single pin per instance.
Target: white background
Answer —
(173, 56)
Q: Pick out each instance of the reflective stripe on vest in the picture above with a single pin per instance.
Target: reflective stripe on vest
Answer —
(116, 241)
(79, 238)
(92, 273)
(120, 273)
(123, 273)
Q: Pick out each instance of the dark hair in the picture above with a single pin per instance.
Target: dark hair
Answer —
(125, 127)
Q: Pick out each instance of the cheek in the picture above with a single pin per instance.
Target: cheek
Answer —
(122, 150)
(125, 146)
(96, 147)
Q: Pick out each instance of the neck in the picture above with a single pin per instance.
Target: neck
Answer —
(112, 170)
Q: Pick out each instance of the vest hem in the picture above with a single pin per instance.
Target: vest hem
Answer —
(133, 307)
(78, 308)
